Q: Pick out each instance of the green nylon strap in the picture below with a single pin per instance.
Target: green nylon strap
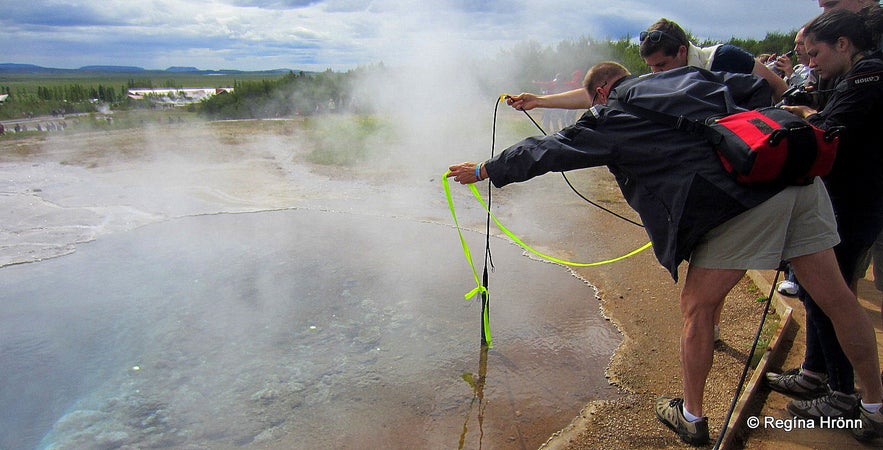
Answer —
(479, 288)
(517, 240)
(548, 257)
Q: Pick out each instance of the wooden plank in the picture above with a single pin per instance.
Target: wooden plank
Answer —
(737, 421)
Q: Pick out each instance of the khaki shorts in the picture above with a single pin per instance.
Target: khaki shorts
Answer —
(795, 222)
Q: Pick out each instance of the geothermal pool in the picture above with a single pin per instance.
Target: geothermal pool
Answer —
(291, 326)
(314, 326)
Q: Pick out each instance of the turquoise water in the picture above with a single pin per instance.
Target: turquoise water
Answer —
(292, 329)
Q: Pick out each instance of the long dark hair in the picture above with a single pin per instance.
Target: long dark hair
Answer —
(863, 30)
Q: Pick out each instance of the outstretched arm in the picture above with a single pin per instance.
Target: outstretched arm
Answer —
(575, 99)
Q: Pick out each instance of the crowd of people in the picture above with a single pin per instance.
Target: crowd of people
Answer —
(825, 230)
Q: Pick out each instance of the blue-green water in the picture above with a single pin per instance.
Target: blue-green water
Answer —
(292, 329)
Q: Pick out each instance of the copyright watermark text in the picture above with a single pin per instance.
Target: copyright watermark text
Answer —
(798, 423)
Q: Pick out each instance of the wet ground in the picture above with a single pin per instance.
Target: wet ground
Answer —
(212, 289)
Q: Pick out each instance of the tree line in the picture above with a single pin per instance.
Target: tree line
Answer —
(302, 93)
(295, 94)
(77, 93)
(69, 98)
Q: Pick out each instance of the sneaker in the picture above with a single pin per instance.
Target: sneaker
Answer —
(834, 405)
(872, 425)
(798, 384)
(787, 288)
(670, 411)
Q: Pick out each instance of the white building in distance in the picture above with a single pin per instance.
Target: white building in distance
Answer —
(172, 96)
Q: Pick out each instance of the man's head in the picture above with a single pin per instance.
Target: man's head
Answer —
(601, 78)
(664, 46)
(800, 48)
(849, 5)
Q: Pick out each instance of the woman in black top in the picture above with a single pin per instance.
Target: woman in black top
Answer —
(842, 47)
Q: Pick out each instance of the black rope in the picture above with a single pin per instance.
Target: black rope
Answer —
(747, 367)
(488, 259)
(567, 180)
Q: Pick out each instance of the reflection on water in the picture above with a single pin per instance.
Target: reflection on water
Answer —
(476, 382)
(292, 329)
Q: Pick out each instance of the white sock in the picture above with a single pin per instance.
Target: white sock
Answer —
(870, 407)
(690, 417)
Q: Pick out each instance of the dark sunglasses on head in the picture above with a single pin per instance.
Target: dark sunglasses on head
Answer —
(654, 36)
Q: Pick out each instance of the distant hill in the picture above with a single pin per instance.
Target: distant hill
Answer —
(13, 68)
(115, 69)
(28, 69)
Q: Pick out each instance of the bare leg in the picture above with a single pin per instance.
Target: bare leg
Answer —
(820, 276)
(703, 293)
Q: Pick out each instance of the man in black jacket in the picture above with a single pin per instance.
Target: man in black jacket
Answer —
(692, 209)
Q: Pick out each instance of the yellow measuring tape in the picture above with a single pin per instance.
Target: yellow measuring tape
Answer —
(516, 239)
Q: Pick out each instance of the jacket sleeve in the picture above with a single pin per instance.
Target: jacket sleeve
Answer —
(575, 147)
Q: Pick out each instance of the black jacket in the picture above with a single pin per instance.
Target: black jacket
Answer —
(856, 180)
(673, 179)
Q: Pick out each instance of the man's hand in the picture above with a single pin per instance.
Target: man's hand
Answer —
(784, 64)
(523, 102)
(800, 110)
(464, 173)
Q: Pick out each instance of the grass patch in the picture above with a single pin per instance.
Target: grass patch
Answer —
(236, 132)
(770, 325)
(345, 140)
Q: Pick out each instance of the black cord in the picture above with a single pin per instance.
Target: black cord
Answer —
(488, 259)
(567, 180)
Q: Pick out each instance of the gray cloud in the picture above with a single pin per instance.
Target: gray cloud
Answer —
(340, 34)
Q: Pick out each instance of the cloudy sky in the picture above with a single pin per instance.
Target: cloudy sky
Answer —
(343, 34)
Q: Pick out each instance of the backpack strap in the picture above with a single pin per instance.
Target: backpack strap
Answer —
(681, 123)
